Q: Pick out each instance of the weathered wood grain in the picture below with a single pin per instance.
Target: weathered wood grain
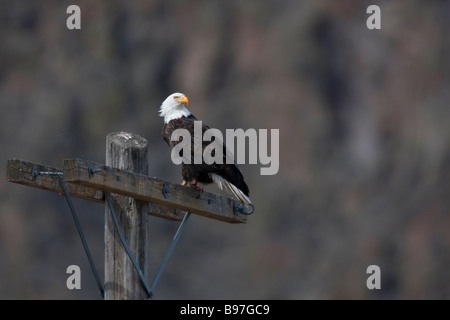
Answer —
(153, 190)
(129, 152)
(26, 173)
(21, 172)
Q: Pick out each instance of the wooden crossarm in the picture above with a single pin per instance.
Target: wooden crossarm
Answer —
(156, 191)
(26, 173)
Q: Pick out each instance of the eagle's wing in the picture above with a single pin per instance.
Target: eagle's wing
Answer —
(230, 172)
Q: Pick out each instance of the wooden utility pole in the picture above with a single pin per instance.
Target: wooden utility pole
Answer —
(128, 152)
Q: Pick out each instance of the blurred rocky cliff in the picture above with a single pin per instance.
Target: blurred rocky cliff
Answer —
(364, 122)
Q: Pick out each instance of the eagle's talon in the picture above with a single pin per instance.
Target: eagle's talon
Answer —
(196, 186)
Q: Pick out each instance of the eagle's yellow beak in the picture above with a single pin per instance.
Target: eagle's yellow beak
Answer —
(182, 99)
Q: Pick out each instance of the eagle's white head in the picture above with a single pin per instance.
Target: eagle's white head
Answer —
(174, 107)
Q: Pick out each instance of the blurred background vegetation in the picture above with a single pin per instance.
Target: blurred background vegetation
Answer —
(364, 122)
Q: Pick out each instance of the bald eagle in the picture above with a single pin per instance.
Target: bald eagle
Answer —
(227, 176)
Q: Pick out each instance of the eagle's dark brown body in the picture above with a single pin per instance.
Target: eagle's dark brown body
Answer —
(201, 172)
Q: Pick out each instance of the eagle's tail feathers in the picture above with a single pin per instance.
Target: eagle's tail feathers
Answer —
(223, 184)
